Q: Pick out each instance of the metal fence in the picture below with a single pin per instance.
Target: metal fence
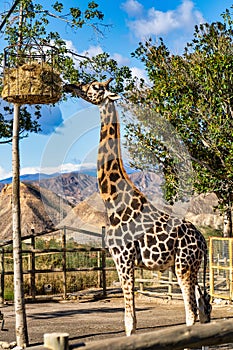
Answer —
(67, 267)
(54, 264)
(219, 274)
(221, 267)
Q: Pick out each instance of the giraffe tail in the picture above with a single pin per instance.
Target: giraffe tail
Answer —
(204, 271)
(203, 300)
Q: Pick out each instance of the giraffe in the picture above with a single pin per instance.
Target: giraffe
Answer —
(138, 233)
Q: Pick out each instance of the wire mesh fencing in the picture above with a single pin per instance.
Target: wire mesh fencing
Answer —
(221, 267)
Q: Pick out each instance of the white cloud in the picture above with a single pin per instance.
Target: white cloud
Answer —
(187, 13)
(139, 73)
(63, 168)
(70, 46)
(29, 170)
(96, 50)
(4, 174)
(121, 60)
(158, 22)
(132, 7)
(68, 167)
(92, 51)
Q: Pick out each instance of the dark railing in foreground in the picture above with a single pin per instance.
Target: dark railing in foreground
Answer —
(175, 337)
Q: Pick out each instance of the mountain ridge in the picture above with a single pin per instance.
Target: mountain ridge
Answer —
(43, 176)
(35, 215)
(73, 199)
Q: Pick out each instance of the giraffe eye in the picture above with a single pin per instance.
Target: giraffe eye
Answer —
(96, 87)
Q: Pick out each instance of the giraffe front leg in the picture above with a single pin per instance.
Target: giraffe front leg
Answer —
(126, 276)
(130, 315)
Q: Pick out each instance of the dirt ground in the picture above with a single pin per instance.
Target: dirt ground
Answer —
(86, 318)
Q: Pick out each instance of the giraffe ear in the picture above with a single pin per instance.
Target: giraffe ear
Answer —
(111, 95)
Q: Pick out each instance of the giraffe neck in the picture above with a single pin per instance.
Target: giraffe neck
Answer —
(112, 177)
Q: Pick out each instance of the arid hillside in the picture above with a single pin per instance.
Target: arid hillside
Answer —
(89, 214)
(40, 210)
(73, 187)
(73, 200)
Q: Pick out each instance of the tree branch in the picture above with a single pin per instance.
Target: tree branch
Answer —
(8, 14)
(198, 161)
(68, 21)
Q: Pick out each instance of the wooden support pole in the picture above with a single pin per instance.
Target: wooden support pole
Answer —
(104, 282)
(99, 272)
(32, 267)
(1, 277)
(103, 236)
(19, 301)
(230, 269)
(64, 263)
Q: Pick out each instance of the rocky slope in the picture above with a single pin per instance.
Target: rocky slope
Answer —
(89, 214)
(73, 187)
(73, 200)
(40, 210)
(201, 211)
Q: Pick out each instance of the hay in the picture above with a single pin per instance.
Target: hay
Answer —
(32, 83)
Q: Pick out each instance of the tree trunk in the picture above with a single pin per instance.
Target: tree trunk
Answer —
(227, 223)
(20, 314)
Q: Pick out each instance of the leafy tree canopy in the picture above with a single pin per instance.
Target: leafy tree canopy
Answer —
(193, 92)
(34, 28)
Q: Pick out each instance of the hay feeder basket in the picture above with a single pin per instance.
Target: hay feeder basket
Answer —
(31, 75)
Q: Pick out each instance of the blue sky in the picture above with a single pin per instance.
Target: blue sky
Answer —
(69, 137)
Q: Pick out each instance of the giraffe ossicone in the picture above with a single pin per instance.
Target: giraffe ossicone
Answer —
(139, 234)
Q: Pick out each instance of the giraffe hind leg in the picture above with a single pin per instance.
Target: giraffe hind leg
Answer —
(187, 282)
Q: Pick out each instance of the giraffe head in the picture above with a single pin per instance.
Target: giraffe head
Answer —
(95, 92)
